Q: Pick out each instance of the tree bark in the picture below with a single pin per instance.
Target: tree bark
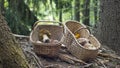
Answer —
(11, 55)
(86, 12)
(77, 10)
(108, 31)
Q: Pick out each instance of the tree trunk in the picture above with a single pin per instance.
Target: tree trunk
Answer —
(11, 55)
(77, 10)
(23, 10)
(108, 30)
(96, 10)
(60, 15)
(86, 12)
(2, 6)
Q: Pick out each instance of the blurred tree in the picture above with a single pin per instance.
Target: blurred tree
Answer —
(21, 14)
(19, 7)
(59, 6)
(96, 10)
(19, 17)
(62, 6)
(86, 12)
(11, 55)
(2, 6)
(77, 10)
(108, 30)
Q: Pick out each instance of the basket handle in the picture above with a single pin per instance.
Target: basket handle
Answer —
(83, 28)
(60, 23)
(79, 29)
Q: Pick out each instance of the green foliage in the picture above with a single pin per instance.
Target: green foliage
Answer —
(45, 10)
(16, 25)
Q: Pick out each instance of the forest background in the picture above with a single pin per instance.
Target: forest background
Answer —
(101, 16)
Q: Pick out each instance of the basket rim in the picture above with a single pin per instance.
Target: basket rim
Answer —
(74, 22)
(46, 44)
(41, 43)
(45, 25)
(99, 45)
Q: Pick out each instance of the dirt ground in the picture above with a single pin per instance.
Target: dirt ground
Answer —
(102, 61)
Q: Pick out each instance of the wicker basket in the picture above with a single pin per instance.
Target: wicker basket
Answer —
(47, 49)
(72, 44)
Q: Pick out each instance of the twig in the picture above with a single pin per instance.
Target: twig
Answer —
(36, 59)
(101, 63)
(53, 66)
(77, 60)
(109, 55)
(65, 56)
(21, 36)
(87, 65)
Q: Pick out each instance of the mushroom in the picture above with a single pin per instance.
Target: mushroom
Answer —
(44, 36)
(86, 43)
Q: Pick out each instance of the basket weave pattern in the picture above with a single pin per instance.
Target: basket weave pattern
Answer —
(47, 49)
(73, 46)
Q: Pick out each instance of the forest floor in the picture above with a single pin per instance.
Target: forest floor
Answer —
(108, 60)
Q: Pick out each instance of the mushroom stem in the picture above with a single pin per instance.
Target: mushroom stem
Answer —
(46, 39)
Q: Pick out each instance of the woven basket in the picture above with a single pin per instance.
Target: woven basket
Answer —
(72, 44)
(47, 49)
